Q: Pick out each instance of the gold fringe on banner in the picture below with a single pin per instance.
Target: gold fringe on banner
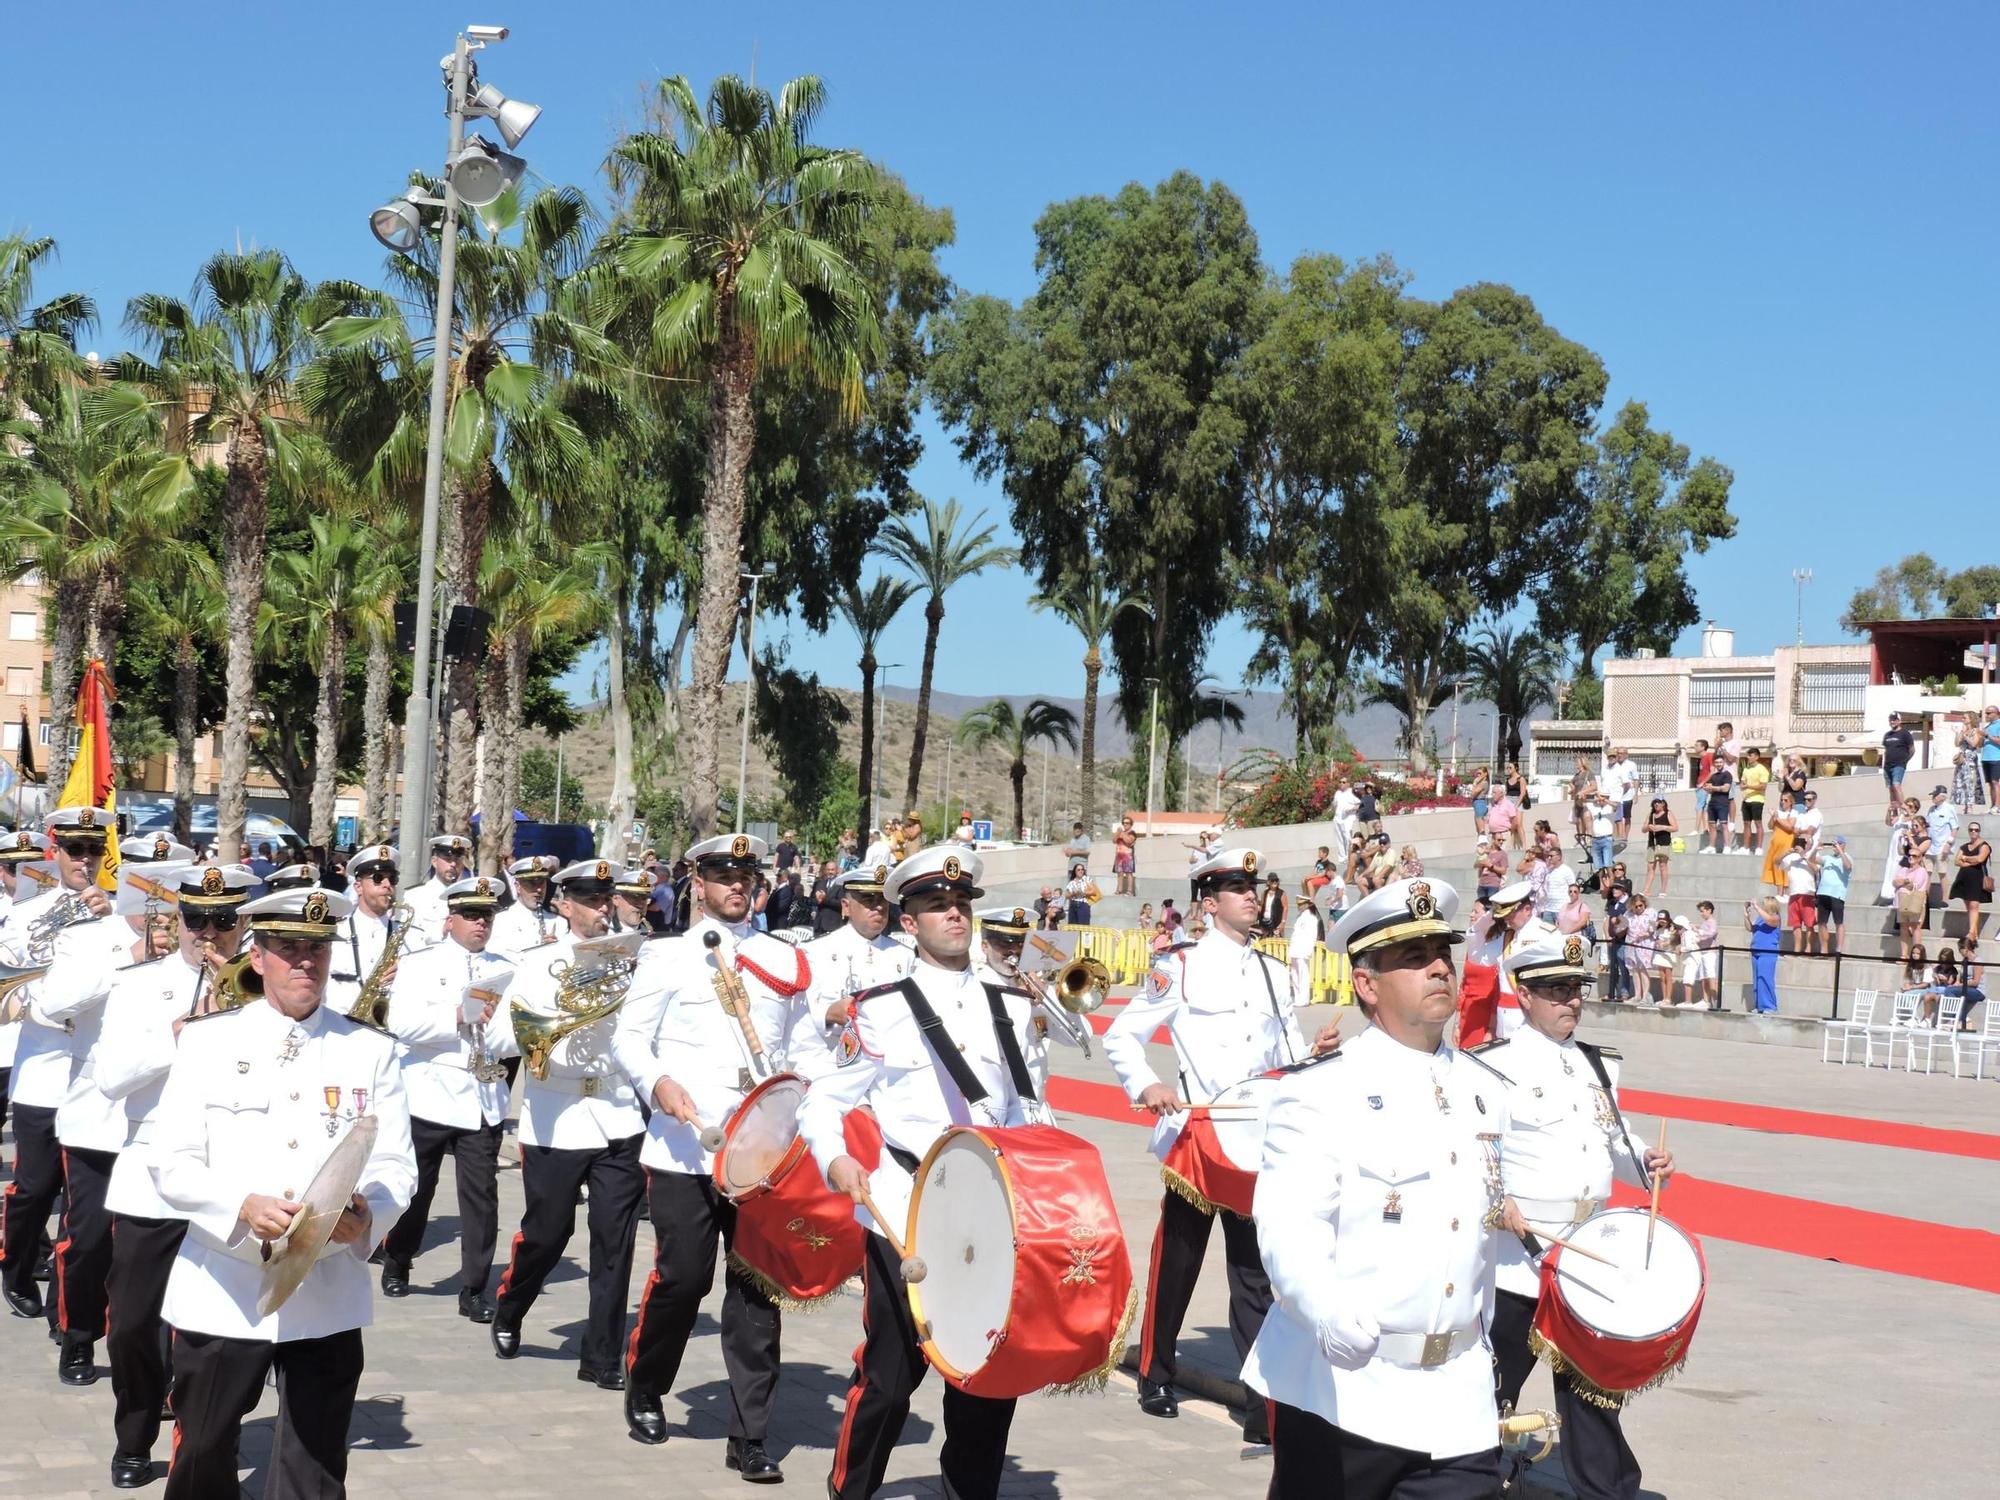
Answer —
(778, 1294)
(1560, 1364)
(1093, 1382)
(1180, 1187)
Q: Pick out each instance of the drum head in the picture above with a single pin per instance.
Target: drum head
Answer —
(1240, 1132)
(964, 1230)
(760, 1134)
(1630, 1299)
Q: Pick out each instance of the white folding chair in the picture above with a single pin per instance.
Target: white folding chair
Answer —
(1851, 1030)
(1931, 1035)
(1978, 1044)
(1883, 1033)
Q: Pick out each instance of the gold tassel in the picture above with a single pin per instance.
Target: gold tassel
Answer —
(1180, 1187)
(1560, 1364)
(1093, 1382)
(741, 1267)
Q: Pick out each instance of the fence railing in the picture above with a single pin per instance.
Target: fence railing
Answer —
(1674, 978)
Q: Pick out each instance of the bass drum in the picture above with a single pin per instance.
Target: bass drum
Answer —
(1030, 1284)
(1214, 1159)
(1622, 1328)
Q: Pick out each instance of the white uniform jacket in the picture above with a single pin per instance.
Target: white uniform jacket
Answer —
(672, 1025)
(1307, 934)
(1566, 1141)
(357, 948)
(255, 1103)
(426, 1004)
(1371, 1213)
(129, 1065)
(585, 1103)
(14, 949)
(519, 932)
(893, 1071)
(1229, 1011)
(843, 964)
(63, 1015)
(427, 912)
(1035, 1037)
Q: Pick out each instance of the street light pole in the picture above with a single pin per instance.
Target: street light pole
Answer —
(417, 766)
(1152, 751)
(749, 689)
(1800, 578)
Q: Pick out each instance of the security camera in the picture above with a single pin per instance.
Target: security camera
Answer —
(487, 33)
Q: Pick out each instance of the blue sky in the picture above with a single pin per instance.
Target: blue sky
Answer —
(1776, 223)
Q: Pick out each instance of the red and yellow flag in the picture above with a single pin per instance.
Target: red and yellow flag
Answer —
(89, 783)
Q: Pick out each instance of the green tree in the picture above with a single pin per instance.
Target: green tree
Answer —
(944, 553)
(798, 723)
(1516, 671)
(746, 257)
(868, 614)
(1090, 610)
(1917, 587)
(1015, 730)
(184, 607)
(538, 789)
(38, 339)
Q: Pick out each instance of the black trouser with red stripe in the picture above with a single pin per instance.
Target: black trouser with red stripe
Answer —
(689, 1214)
(475, 1157)
(552, 1179)
(219, 1381)
(888, 1367)
(83, 1254)
(1599, 1462)
(24, 1211)
(139, 1344)
(1178, 1247)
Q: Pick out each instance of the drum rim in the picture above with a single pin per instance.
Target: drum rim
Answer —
(914, 1289)
(1700, 1289)
(794, 1153)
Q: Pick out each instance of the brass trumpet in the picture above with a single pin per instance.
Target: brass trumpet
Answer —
(13, 979)
(585, 993)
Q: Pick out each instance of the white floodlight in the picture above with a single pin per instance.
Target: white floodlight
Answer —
(398, 225)
(487, 33)
(515, 117)
(481, 172)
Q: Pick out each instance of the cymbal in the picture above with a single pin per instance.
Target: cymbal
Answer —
(325, 1199)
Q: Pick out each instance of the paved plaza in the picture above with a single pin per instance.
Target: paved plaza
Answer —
(1808, 1376)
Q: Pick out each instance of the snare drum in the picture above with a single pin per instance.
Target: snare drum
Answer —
(1029, 1285)
(796, 1238)
(1620, 1329)
(1213, 1162)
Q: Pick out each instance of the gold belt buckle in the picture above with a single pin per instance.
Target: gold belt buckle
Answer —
(1437, 1349)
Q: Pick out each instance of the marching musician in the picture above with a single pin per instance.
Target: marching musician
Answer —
(364, 933)
(17, 851)
(934, 1049)
(455, 1086)
(257, 1099)
(1566, 1140)
(292, 877)
(1380, 1182)
(1228, 1009)
(1003, 935)
(580, 1129)
(857, 956)
(632, 902)
(90, 1127)
(1488, 1007)
(449, 853)
(143, 1016)
(686, 1051)
(529, 922)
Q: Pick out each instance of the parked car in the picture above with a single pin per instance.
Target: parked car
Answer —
(258, 828)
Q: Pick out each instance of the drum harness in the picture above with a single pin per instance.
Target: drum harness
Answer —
(946, 1050)
(1284, 1031)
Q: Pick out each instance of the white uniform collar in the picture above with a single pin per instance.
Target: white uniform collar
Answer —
(737, 930)
(1384, 1051)
(1526, 1036)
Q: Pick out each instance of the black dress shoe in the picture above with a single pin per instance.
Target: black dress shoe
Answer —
(474, 1306)
(506, 1337)
(643, 1417)
(395, 1283)
(1257, 1426)
(1157, 1400)
(77, 1366)
(747, 1457)
(29, 1306)
(131, 1471)
(612, 1379)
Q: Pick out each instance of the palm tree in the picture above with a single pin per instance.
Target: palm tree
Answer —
(1090, 611)
(869, 614)
(184, 606)
(748, 258)
(941, 555)
(1514, 671)
(998, 723)
(228, 356)
(38, 341)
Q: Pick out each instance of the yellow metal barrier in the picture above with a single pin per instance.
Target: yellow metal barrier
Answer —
(1127, 953)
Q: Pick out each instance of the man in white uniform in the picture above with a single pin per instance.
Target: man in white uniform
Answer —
(529, 923)
(856, 957)
(1566, 1140)
(256, 1101)
(1380, 1182)
(1003, 938)
(364, 933)
(1488, 1008)
(442, 1010)
(580, 1128)
(143, 1017)
(17, 852)
(1229, 1011)
(449, 853)
(694, 1060)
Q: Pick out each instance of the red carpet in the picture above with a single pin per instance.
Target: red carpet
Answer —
(1826, 1127)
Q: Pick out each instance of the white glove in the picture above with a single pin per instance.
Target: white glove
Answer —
(1348, 1340)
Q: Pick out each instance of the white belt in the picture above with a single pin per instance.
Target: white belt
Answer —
(1424, 1351)
(593, 1087)
(1559, 1210)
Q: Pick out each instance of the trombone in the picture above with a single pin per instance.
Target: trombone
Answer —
(1070, 989)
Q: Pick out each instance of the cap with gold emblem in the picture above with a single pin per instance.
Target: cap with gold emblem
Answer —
(476, 895)
(82, 823)
(1508, 897)
(727, 849)
(373, 857)
(534, 867)
(153, 849)
(1005, 921)
(207, 887)
(940, 869)
(1224, 863)
(637, 884)
(451, 843)
(588, 877)
(1401, 911)
(308, 911)
(862, 880)
(292, 876)
(20, 848)
(1552, 961)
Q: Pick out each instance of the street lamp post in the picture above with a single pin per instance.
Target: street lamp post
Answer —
(882, 671)
(1800, 578)
(1152, 751)
(749, 687)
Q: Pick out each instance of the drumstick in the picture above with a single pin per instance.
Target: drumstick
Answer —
(1653, 1214)
(913, 1266)
(1579, 1250)
(711, 1136)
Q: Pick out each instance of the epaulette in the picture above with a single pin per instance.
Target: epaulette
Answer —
(1472, 1054)
(210, 1015)
(1309, 1062)
(893, 986)
(1488, 1046)
(1602, 1051)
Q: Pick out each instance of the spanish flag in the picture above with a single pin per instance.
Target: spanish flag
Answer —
(89, 783)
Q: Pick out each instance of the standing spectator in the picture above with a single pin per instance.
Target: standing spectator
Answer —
(1079, 894)
(1728, 749)
(848, 854)
(1807, 821)
(826, 901)
(1989, 757)
(1704, 762)
(1912, 885)
(1974, 882)
(1754, 778)
(778, 910)
(1271, 909)
(1700, 963)
(1604, 821)
(1368, 813)
(1481, 792)
(1503, 821)
(1898, 745)
(1563, 888)
(787, 853)
(1903, 834)
(1669, 938)
(1802, 896)
(1203, 843)
(1762, 922)
(1718, 789)
(1784, 833)
(1346, 813)
(1534, 868)
(1941, 822)
(1965, 775)
(1621, 780)
(1640, 921)
(261, 864)
(1145, 922)
(1489, 866)
(1308, 932)
(1795, 778)
(1125, 857)
(1582, 787)
(1170, 916)
(1617, 914)
(964, 834)
(1660, 829)
(1077, 850)
(1835, 869)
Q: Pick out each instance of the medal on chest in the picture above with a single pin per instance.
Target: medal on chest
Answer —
(1392, 1208)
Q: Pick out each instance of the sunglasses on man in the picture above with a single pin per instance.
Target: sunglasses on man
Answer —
(79, 848)
(201, 921)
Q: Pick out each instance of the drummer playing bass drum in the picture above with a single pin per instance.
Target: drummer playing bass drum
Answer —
(918, 1089)
(1564, 1142)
